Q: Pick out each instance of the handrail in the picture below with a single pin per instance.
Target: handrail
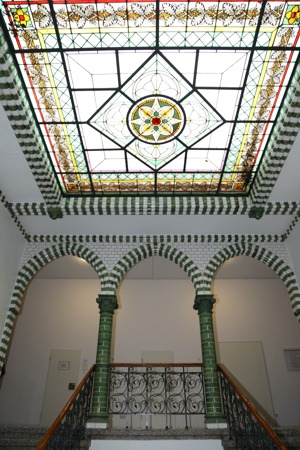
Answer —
(42, 444)
(273, 436)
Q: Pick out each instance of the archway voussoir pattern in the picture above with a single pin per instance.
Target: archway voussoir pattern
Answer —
(193, 273)
(11, 316)
(32, 267)
(187, 266)
(127, 262)
(145, 251)
(262, 254)
(296, 307)
(285, 273)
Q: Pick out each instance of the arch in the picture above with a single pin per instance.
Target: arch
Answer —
(30, 269)
(151, 249)
(262, 254)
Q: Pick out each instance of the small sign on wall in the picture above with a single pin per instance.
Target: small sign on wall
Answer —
(63, 365)
(292, 358)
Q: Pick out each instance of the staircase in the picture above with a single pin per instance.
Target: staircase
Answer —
(159, 436)
(27, 437)
(69, 432)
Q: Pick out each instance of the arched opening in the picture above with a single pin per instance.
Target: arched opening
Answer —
(254, 328)
(59, 312)
(156, 323)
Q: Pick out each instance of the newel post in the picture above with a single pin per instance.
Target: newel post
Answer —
(99, 411)
(214, 416)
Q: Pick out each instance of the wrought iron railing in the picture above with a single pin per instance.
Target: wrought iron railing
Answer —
(156, 389)
(68, 429)
(247, 428)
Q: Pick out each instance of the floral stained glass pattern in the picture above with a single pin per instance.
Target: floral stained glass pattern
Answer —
(155, 98)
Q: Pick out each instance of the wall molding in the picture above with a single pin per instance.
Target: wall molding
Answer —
(154, 206)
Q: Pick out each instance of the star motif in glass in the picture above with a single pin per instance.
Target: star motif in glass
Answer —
(156, 127)
(156, 119)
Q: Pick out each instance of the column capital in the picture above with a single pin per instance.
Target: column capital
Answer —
(204, 303)
(107, 303)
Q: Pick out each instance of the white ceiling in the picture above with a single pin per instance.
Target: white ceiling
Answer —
(155, 268)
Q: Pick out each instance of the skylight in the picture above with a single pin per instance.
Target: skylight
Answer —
(167, 98)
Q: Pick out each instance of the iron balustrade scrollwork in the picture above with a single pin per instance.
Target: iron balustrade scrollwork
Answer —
(247, 428)
(157, 389)
(68, 429)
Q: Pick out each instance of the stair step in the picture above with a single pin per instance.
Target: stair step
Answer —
(27, 437)
(20, 437)
(130, 434)
(290, 436)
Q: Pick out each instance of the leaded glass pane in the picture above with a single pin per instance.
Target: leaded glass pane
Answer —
(155, 98)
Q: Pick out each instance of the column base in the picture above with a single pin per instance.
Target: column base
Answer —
(215, 422)
(97, 422)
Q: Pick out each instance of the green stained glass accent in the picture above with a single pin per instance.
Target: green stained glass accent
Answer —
(191, 113)
(21, 17)
(292, 15)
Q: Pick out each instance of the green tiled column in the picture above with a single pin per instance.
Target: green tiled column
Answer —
(99, 411)
(204, 305)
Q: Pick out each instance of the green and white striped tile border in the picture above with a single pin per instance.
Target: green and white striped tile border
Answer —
(139, 206)
(30, 269)
(163, 238)
(144, 251)
(13, 216)
(110, 281)
(155, 206)
(283, 270)
(292, 225)
(17, 108)
(282, 139)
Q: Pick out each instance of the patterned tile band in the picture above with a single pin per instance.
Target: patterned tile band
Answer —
(165, 251)
(16, 105)
(110, 281)
(29, 270)
(281, 141)
(164, 238)
(292, 225)
(267, 257)
(154, 206)
(14, 217)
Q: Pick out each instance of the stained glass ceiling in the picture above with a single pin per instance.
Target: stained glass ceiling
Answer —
(154, 97)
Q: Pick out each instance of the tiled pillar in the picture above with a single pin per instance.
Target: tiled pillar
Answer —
(214, 416)
(99, 411)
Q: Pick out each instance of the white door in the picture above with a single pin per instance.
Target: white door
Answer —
(62, 379)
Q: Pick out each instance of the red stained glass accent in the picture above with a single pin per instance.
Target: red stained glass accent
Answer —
(156, 121)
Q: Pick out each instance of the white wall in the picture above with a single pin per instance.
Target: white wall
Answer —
(259, 310)
(11, 249)
(157, 315)
(153, 315)
(59, 314)
(293, 245)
